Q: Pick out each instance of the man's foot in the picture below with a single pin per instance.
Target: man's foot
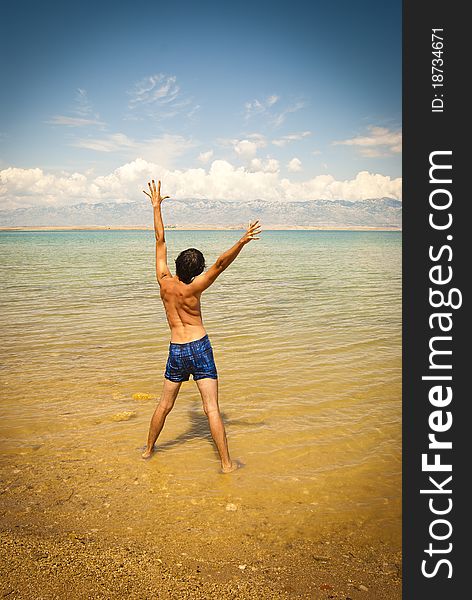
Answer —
(147, 453)
(233, 466)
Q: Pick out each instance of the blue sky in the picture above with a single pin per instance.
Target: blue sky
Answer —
(281, 99)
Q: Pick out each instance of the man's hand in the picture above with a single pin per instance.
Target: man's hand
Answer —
(253, 230)
(155, 195)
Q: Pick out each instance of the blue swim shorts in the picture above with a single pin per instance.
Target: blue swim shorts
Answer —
(194, 358)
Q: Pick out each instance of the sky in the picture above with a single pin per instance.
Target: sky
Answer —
(281, 101)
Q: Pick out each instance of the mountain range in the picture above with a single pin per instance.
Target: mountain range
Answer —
(376, 212)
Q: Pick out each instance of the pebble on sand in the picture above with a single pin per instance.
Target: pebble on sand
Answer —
(231, 507)
(141, 396)
(126, 415)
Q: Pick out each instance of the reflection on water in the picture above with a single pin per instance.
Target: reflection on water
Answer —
(306, 329)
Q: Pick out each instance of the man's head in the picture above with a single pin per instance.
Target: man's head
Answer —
(189, 264)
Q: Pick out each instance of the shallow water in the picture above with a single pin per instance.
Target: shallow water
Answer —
(306, 331)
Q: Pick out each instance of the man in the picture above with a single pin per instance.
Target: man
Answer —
(190, 350)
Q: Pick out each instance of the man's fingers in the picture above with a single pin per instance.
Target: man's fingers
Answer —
(165, 197)
(154, 185)
(150, 188)
(253, 228)
(147, 194)
(158, 186)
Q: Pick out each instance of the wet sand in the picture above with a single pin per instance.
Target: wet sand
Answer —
(340, 565)
(80, 526)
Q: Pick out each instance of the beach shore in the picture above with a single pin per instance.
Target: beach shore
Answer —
(74, 565)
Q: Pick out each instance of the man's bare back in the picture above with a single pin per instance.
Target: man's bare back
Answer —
(190, 349)
(183, 310)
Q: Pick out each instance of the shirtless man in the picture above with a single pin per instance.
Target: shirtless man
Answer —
(190, 350)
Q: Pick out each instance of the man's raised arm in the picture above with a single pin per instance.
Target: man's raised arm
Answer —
(162, 270)
(201, 282)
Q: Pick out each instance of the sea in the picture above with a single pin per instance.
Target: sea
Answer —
(306, 333)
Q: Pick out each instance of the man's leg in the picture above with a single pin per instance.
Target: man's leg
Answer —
(166, 403)
(209, 392)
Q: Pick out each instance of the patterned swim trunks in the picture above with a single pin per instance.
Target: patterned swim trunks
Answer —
(192, 358)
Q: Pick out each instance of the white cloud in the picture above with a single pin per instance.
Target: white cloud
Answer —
(30, 187)
(295, 164)
(264, 108)
(380, 142)
(364, 185)
(259, 138)
(279, 118)
(257, 107)
(73, 121)
(193, 111)
(245, 148)
(83, 113)
(163, 150)
(291, 137)
(83, 106)
(204, 157)
(270, 165)
(113, 142)
(159, 96)
(155, 88)
(222, 180)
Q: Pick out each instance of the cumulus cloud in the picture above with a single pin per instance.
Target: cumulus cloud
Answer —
(380, 142)
(222, 180)
(32, 187)
(245, 148)
(295, 164)
(204, 157)
(270, 165)
(291, 137)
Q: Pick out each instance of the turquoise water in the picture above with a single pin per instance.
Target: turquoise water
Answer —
(306, 330)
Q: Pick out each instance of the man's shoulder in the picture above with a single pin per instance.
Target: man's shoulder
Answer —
(166, 280)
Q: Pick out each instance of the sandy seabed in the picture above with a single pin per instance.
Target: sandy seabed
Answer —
(68, 534)
(57, 565)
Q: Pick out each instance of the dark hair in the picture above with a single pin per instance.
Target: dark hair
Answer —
(189, 264)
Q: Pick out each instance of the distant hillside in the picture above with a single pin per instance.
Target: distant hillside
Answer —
(380, 212)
